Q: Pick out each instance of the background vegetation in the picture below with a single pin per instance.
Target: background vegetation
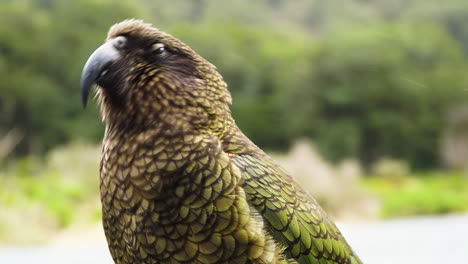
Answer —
(368, 80)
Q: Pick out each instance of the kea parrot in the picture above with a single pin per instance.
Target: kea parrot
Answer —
(179, 181)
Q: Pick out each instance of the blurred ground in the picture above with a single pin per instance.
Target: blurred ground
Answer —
(429, 240)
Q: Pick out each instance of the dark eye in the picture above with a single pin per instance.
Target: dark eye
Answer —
(120, 42)
(158, 48)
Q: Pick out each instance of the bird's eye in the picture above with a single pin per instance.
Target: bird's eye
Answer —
(120, 42)
(158, 48)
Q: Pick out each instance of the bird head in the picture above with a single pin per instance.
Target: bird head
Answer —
(145, 76)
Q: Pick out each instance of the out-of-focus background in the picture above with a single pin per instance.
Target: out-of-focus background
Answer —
(365, 102)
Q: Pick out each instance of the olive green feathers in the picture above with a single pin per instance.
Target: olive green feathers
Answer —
(180, 183)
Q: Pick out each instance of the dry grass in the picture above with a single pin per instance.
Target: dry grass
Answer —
(337, 189)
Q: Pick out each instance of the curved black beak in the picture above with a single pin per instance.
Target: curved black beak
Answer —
(96, 65)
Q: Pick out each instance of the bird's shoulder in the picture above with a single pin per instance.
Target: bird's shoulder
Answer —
(292, 215)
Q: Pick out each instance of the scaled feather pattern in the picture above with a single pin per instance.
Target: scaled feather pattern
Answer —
(179, 181)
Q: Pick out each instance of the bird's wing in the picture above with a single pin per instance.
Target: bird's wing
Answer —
(294, 218)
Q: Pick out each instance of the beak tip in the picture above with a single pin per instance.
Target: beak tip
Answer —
(85, 87)
(84, 102)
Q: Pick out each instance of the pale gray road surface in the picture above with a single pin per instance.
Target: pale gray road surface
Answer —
(425, 240)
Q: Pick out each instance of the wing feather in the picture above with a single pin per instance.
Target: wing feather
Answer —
(293, 217)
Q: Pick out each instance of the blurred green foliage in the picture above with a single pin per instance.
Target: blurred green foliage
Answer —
(38, 197)
(363, 79)
(420, 194)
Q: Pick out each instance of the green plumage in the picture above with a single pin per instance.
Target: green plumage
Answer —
(294, 218)
(180, 183)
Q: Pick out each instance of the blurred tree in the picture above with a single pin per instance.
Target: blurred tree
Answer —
(43, 47)
(383, 90)
(362, 78)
